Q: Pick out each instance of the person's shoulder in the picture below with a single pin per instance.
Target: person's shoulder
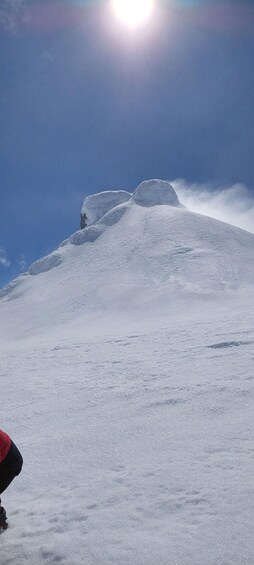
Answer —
(4, 435)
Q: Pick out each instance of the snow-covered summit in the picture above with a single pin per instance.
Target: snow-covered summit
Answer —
(142, 251)
(149, 193)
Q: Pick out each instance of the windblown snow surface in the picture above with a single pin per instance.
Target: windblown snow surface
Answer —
(127, 373)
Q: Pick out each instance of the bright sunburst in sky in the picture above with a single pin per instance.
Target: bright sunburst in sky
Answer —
(133, 13)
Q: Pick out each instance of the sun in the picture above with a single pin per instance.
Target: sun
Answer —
(133, 13)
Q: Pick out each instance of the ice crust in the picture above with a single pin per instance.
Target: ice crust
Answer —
(45, 264)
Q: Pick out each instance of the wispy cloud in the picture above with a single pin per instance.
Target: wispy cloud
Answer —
(233, 204)
(4, 262)
(13, 13)
(22, 262)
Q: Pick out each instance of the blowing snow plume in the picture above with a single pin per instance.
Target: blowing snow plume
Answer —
(233, 205)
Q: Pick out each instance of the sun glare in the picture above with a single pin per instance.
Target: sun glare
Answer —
(133, 13)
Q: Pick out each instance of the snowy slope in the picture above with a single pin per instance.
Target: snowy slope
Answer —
(140, 259)
(127, 382)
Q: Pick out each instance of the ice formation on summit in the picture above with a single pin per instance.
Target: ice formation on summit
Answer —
(149, 193)
(97, 205)
(155, 192)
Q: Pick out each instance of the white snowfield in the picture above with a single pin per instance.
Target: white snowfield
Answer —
(127, 383)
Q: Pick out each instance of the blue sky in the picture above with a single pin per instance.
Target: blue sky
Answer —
(87, 105)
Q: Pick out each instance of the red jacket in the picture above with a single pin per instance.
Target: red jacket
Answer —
(5, 445)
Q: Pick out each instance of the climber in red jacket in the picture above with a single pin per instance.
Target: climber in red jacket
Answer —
(10, 466)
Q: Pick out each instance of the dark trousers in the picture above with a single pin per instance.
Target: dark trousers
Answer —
(10, 467)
